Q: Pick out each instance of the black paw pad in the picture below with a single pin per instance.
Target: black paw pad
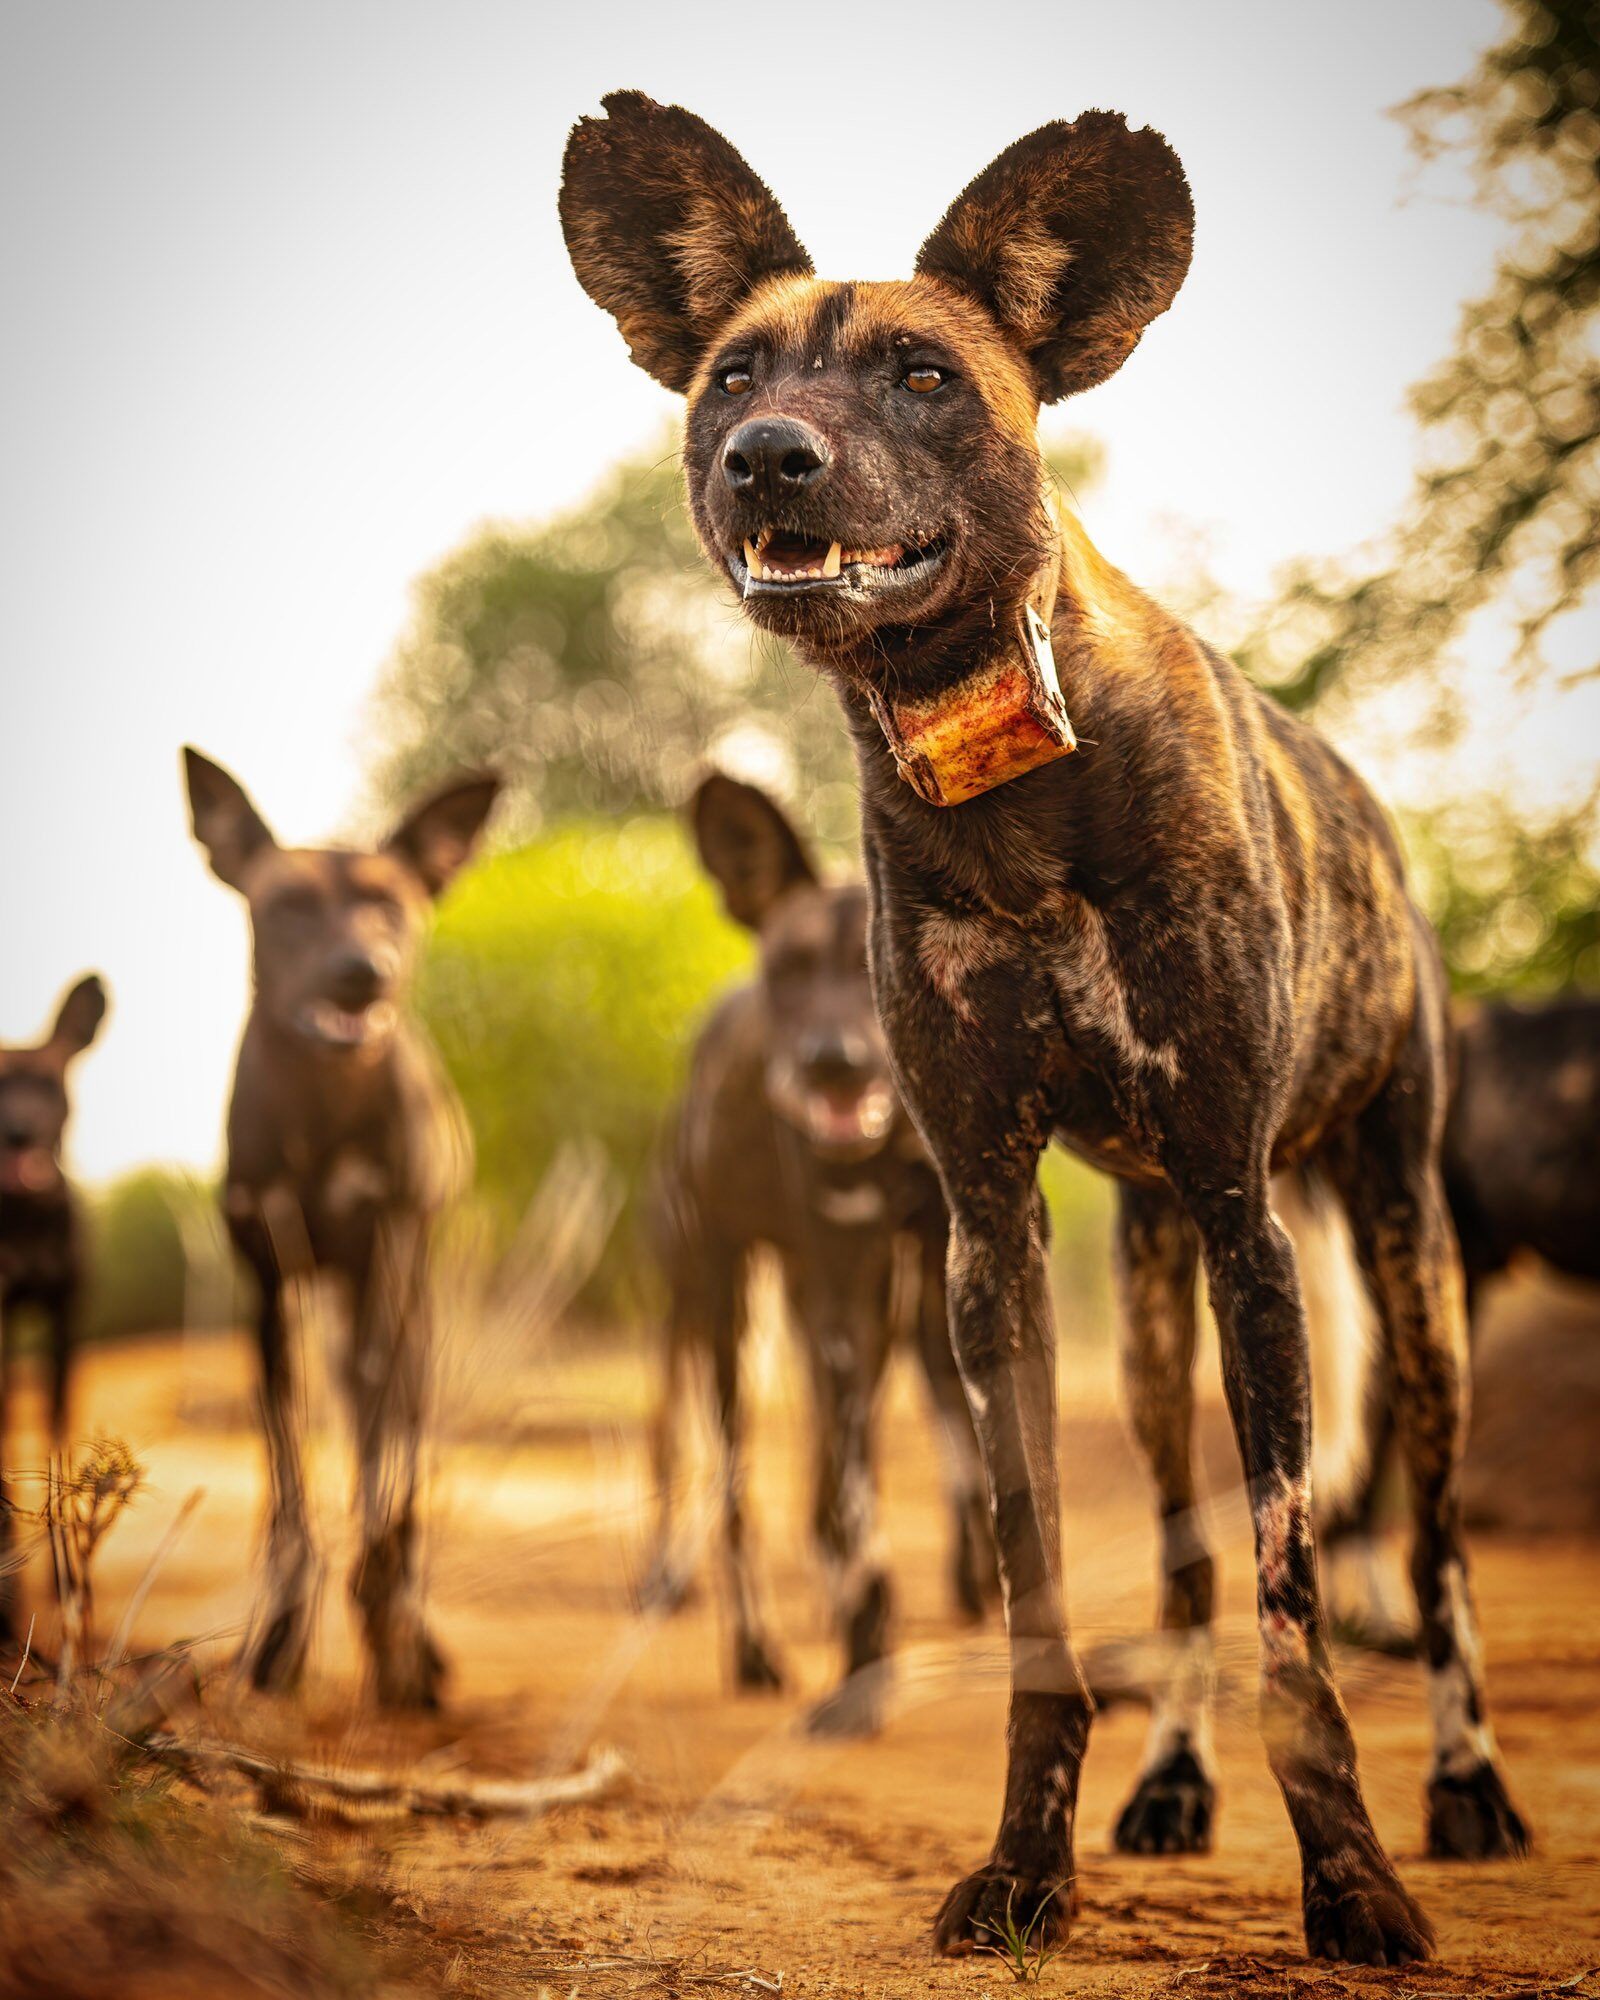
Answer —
(1171, 1811)
(1357, 1910)
(855, 1708)
(754, 1668)
(1472, 1818)
(983, 1910)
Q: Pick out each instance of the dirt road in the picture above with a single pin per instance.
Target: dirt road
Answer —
(744, 1845)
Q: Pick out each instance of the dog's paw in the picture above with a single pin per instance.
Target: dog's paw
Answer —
(664, 1588)
(855, 1708)
(1472, 1818)
(276, 1660)
(1357, 1909)
(754, 1668)
(1373, 1632)
(409, 1672)
(1171, 1811)
(996, 1904)
(974, 1574)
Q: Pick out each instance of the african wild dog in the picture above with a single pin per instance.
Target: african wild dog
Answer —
(344, 1142)
(790, 1136)
(1186, 950)
(41, 1235)
(1521, 1166)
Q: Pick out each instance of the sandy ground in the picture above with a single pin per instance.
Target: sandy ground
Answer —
(743, 1845)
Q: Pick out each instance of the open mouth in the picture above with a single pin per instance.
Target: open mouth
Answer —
(346, 1027)
(846, 1122)
(28, 1170)
(776, 560)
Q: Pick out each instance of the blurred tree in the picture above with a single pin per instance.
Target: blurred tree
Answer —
(596, 662)
(1509, 484)
(1516, 906)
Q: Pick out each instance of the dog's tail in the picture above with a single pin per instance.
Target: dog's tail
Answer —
(1347, 1388)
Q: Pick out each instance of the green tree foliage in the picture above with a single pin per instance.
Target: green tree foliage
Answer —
(595, 664)
(1507, 492)
(1517, 907)
(564, 985)
(599, 665)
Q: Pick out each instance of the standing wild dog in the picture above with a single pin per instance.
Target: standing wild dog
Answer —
(41, 1238)
(344, 1142)
(1521, 1162)
(790, 1135)
(1187, 950)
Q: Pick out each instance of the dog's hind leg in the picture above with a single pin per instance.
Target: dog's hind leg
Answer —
(1157, 1256)
(387, 1379)
(1354, 1904)
(1386, 1168)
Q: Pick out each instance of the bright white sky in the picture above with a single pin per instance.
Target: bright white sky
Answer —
(288, 312)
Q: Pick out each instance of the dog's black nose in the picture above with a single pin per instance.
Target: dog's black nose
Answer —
(773, 459)
(354, 980)
(834, 1058)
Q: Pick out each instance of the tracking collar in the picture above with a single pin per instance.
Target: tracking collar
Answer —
(1005, 716)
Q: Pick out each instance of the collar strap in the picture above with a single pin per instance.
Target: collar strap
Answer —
(1004, 717)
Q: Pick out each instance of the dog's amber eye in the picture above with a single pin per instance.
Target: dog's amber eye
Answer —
(735, 381)
(923, 381)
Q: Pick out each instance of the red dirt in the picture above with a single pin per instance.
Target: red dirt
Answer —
(744, 1845)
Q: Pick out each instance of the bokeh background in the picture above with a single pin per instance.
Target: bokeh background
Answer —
(316, 455)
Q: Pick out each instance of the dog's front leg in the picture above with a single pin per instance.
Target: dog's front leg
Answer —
(840, 1298)
(388, 1380)
(970, 1070)
(1354, 1904)
(283, 1629)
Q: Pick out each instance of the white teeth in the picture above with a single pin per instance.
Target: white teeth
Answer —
(830, 566)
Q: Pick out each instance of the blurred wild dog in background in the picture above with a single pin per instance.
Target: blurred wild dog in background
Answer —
(790, 1136)
(41, 1236)
(344, 1142)
(1522, 1175)
(1187, 950)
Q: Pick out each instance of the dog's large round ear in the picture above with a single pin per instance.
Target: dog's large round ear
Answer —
(225, 823)
(749, 848)
(668, 229)
(437, 838)
(78, 1018)
(1075, 238)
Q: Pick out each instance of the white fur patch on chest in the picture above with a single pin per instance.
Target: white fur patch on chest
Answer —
(851, 1207)
(951, 949)
(354, 1180)
(1093, 997)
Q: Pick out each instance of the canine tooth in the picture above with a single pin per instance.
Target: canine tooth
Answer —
(832, 560)
(752, 560)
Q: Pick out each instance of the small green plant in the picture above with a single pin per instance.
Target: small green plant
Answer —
(1024, 1950)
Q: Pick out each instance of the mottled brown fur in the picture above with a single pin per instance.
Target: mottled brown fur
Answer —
(858, 1229)
(1186, 952)
(41, 1231)
(340, 1154)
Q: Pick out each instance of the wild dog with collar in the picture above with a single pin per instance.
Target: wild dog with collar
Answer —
(1187, 951)
(791, 1138)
